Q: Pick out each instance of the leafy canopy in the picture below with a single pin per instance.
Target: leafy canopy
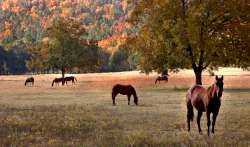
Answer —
(63, 47)
(191, 33)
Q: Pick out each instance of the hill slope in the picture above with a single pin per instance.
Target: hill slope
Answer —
(23, 21)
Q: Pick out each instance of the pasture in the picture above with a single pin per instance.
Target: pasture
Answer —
(83, 115)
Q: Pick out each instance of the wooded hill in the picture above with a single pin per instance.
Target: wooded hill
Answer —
(22, 24)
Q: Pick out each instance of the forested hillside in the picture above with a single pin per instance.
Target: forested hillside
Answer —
(22, 21)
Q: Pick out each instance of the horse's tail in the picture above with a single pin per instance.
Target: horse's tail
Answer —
(135, 96)
(25, 83)
(190, 111)
(75, 79)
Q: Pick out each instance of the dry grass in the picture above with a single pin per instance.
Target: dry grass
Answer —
(82, 115)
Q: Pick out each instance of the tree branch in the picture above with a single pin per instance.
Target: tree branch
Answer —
(222, 23)
(204, 67)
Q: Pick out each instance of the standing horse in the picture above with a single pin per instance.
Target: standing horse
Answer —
(162, 78)
(204, 100)
(124, 90)
(29, 80)
(57, 81)
(70, 78)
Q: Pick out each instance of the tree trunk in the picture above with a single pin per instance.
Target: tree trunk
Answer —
(198, 74)
(198, 78)
(63, 73)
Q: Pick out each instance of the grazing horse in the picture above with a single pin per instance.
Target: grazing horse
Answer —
(57, 81)
(70, 78)
(124, 90)
(29, 80)
(162, 78)
(204, 100)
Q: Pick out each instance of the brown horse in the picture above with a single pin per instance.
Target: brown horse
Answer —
(57, 81)
(204, 100)
(124, 90)
(70, 78)
(29, 80)
(162, 78)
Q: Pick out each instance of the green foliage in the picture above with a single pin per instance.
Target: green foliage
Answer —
(133, 61)
(119, 61)
(12, 61)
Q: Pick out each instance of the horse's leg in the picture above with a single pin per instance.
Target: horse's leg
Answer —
(129, 95)
(214, 120)
(199, 120)
(113, 97)
(208, 123)
(190, 113)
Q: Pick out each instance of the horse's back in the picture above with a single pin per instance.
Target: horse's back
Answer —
(30, 79)
(197, 95)
(122, 89)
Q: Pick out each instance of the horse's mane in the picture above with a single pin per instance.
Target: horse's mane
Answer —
(211, 90)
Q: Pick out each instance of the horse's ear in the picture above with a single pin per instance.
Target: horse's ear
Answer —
(222, 77)
(216, 77)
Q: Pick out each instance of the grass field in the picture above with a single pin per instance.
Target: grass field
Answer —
(83, 115)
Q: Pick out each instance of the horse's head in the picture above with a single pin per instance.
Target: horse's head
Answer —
(53, 82)
(135, 99)
(219, 83)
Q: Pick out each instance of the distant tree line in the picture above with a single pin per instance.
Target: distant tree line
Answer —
(13, 61)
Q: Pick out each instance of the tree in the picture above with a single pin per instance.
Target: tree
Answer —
(119, 61)
(63, 47)
(199, 34)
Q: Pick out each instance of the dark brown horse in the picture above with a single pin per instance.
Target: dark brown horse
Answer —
(70, 78)
(204, 100)
(124, 90)
(57, 81)
(162, 78)
(29, 80)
